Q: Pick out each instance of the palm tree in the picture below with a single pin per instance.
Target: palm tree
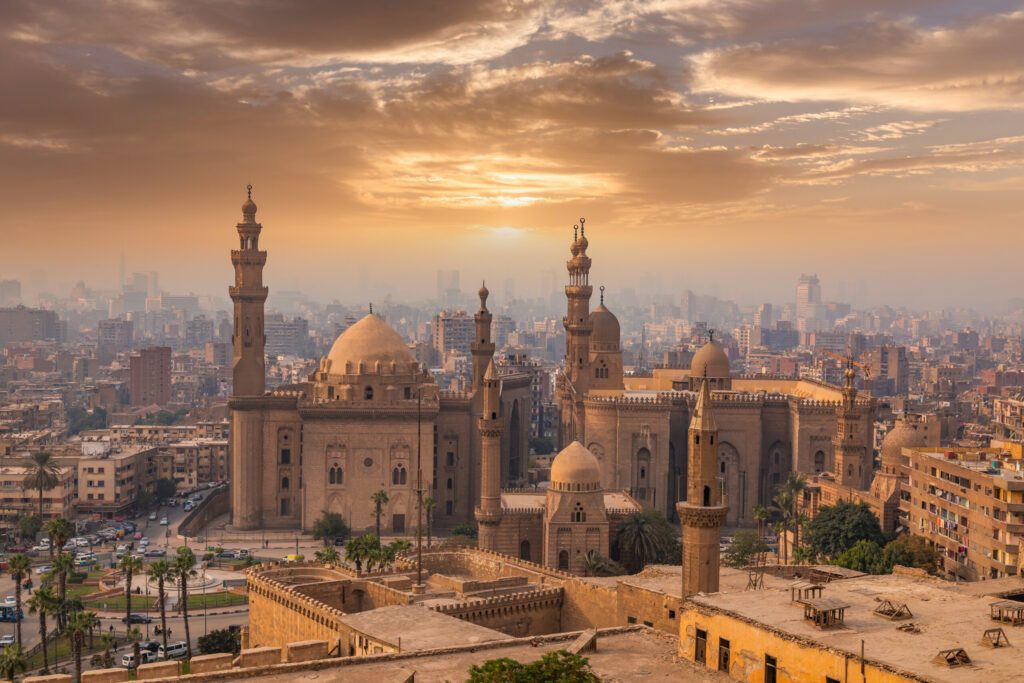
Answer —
(799, 522)
(59, 531)
(327, 555)
(783, 505)
(380, 499)
(78, 626)
(130, 565)
(358, 549)
(795, 485)
(44, 602)
(42, 476)
(185, 569)
(19, 566)
(12, 660)
(162, 571)
(761, 515)
(63, 566)
(644, 537)
(429, 504)
(109, 643)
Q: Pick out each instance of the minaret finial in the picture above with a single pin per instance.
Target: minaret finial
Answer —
(371, 308)
(582, 226)
(248, 190)
(711, 336)
(602, 295)
(575, 232)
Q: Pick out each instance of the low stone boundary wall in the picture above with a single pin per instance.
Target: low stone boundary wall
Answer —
(157, 670)
(214, 505)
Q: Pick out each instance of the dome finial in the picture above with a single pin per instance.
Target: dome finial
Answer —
(711, 336)
(371, 308)
(575, 232)
(248, 190)
(582, 225)
(602, 295)
(249, 207)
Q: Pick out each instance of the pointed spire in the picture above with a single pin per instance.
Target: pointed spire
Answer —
(703, 419)
(490, 373)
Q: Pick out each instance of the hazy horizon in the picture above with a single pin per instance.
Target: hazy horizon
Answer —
(721, 147)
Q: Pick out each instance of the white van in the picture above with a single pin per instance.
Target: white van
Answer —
(174, 650)
(128, 660)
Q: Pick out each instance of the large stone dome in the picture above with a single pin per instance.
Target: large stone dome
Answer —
(369, 341)
(904, 434)
(575, 468)
(710, 360)
(605, 327)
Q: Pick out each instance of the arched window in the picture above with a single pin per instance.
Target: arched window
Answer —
(643, 472)
(707, 496)
(563, 560)
(696, 439)
(819, 462)
(368, 393)
(450, 483)
(578, 513)
(339, 476)
(398, 476)
(712, 437)
(524, 550)
(330, 475)
(284, 483)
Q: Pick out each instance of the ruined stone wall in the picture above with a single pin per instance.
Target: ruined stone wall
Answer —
(526, 614)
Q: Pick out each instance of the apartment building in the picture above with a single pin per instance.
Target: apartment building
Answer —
(969, 503)
(17, 502)
(198, 461)
(110, 477)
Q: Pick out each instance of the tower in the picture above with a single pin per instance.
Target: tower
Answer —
(577, 317)
(248, 340)
(482, 347)
(703, 511)
(853, 464)
(249, 295)
(491, 426)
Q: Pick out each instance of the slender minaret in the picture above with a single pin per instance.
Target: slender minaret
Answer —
(577, 316)
(248, 340)
(488, 513)
(853, 463)
(704, 510)
(482, 347)
(249, 295)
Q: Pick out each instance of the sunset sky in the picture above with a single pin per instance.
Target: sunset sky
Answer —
(724, 146)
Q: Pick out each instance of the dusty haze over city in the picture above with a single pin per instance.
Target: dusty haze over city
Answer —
(720, 146)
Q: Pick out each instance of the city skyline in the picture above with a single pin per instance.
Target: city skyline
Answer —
(724, 148)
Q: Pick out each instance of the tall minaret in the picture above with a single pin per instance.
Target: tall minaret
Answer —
(704, 510)
(488, 513)
(577, 317)
(246, 440)
(853, 463)
(249, 295)
(482, 347)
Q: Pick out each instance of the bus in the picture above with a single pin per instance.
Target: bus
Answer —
(7, 614)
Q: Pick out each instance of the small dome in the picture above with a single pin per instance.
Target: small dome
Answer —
(904, 434)
(370, 340)
(574, 248)
(483, 293)
(249, 208)
(605, 326)
(710, 360)
(575, 468)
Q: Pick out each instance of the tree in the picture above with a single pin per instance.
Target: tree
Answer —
(19, 566)
(81, 420)
(596, 564)
(782, 506)
(44, 603)
(164, 489)
(43, 475)
(837, 528)
(794, 486)
(761, 515)
(12, 660)
(163, 572)
(130, 565)
(59, 530)
(465, 530)
(799, 522)
(185, 569)
(78, 626)
(644, 536)
(329, 526)
(745, 545)
(220, 640)
(428, 506)
(909, 550)
(864, 556)
(63, 566)
(327, 555)
(542, 445)
(559, 666)
(358, 549)
(29, 526)
(380, 499)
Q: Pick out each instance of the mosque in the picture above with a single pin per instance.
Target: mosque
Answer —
(637, 427)
(368, 419)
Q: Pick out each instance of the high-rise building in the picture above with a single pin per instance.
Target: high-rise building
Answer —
(10, 293)
(890, 370)
(115, 335)
(809, 309)
(151, 376)
(198, 331)
(448, 292)
(20, 324)
(763, 318)
(287, 337)
(453, 331)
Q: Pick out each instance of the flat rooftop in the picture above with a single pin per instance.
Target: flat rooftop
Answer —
(413, 627)
(640, 654)
(947, 616)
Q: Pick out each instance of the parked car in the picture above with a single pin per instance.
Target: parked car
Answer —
(163, 521)
(226, 554)
(188, 507)
(152, 516)
(44, 568)
(137, 619)
(242, 553)
(144, 541)
(173, 651)
(10, 600)
(7, 639)
(155, 552)
(145, 657)
(137, 536)
(41, 547)
(93, 539)
(151, 646)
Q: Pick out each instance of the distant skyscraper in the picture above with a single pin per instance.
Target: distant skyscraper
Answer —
(453, 332)
(448, 291)
(115, 335)
(809, 310)
(10, 293)
(763, 317)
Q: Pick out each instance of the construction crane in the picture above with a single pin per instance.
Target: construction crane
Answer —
(850, 362)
